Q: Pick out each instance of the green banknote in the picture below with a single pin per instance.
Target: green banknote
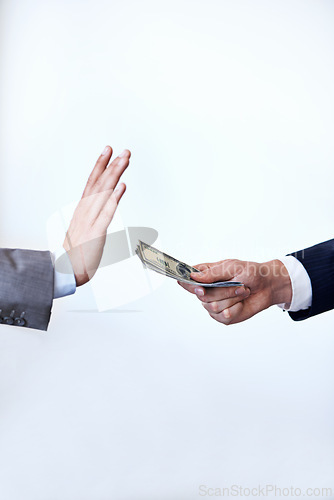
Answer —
(165, 264)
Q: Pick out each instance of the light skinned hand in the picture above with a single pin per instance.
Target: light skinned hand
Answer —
(266, 284)
(86, 235)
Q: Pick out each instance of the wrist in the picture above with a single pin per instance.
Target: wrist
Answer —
(279, 283)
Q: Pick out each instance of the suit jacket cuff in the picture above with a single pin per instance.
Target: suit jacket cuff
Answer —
(318, 261)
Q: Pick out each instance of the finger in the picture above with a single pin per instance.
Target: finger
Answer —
(99, 168)
(198, 290)
(219, 306)
(231, 315)
(104, 186)
(110, 177)
(218, 271)
(194, 288)
(223, 293)
(110, 207)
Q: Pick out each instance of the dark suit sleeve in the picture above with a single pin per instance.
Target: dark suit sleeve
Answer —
(319, 264)
(26, 288)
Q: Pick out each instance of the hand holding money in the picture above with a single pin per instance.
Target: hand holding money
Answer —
(161, 263)
(265, 284)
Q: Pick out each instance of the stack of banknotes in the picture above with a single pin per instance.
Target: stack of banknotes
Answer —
(165, 264)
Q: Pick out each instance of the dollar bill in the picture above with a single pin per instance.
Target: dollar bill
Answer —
(165, 264)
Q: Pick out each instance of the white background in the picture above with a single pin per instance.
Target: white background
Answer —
(227, 107)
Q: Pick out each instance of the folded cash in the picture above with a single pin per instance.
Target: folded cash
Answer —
(161, 263)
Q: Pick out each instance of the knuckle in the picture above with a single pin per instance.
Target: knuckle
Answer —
(214, 307)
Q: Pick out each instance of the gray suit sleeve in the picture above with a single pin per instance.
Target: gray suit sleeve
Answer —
(26, 288)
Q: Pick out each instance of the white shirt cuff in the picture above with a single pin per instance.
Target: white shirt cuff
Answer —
(64, 280)
(301, 285)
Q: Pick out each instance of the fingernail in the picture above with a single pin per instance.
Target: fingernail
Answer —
(199, 291)
(240, 290)
(227, 313)
(105, 151)
(123, 153)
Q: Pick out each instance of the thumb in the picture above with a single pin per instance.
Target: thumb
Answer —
(217, 271)
(202, 267)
